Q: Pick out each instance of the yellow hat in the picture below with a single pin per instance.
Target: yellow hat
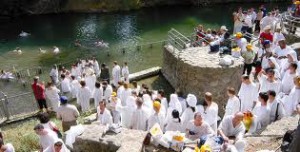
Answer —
(205, 148)
(156, 104)
(236, 49)
(114, 94)
(249, 46)
(297, 3)
(238, 35)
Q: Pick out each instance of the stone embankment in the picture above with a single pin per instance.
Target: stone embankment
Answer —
(196, 71)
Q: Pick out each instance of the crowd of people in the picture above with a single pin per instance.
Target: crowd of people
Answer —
(270, 90)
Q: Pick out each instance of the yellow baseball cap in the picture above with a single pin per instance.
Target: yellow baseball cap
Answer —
(114, 94)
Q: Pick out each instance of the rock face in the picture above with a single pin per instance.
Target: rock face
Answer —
(92, 140)
(196, 71)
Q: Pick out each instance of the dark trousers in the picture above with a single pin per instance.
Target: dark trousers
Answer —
(257, 25)
(42, 103)
(248, 30)
(247, 67)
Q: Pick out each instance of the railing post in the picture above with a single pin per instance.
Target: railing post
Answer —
(5, 107)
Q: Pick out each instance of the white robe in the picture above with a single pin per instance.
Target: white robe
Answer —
(107, 92)
(75, 86)
(165, 103)
(91, 81)
(116, 108)
(52, 148)
(203, 130)
(125, 94)
(290, 101)
(229, 130)
(127, 112)
(120, 91)
(262, 116)
(98, 96)
(54, 75)
(48, 140)
(174, 125)
(139, 119)
(156, 118)
(248, 95)
(9, 147)
(96, 68)
(210, 114)
(83, 98)
(266, 85)
(65, 85)
(53, 95)
(288, 82)
(116, 74)
(174, 104)
(233, 106)
(183, 103)
(273, 108)
(148, 104)
(125, 74)
(105, 118)
(187, 116)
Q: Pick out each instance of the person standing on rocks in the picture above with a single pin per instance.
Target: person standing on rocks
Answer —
(139, 116)
(83, 97)
(67, 113)
(39, 93)
(116, 73)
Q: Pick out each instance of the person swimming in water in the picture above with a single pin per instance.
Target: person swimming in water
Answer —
(42, 51)
(18, 51)
(56, 50)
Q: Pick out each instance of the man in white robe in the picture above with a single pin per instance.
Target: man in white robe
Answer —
(83, 97)
(282, 51)
(114, 105)
(54, 74)
(97, 94)
(127, 111)
(103, 115)
(107, 90)
(262, 112)
(157, 117)
(116, 73)
(139, 116)
(47, 137)
(248, 94)
(125, 72)
(233, 104)
(197, 128)
(232, 126)
(276, 107)
(96, 67)
(125, 94)
(65, 84)
(75, 86)
(120, 89)
(268, 81)
(90, 81)
(288, 78)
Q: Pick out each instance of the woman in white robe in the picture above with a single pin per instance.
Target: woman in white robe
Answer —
(90, 81)
(139, 116)
(174, 124)
(209, 111)
(174, 104)
(189, 112)
(97, 94)
(83, 97)
(233, 104)
(52, 93)
(291, 101)
(248, 94)
(148, 104)
(288, 79)
(107, 90)
(116, 74)
(115, 106)
(120, 89)
(156, 117)
(127, 111)
(54, 74)
(262, 112)
(125, 73)
(59, 146)
(273, 64)
(96, 67)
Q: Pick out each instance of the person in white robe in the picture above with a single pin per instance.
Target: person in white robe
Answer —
(182, 100)
(163, 99)
(120, 89)
(233, 103)
(148, 104)
(139, 116)
(115, 106)
(136, 87)
(189, 112)
(83, 97)
(127, 110)
(197, 128)
(209, 111)
(52, 94)
(107, 90)
(277, 110)
(288, 78)
(8, 147)
(278, 35)
(282, 51)
(268, 81)
(248, 94)
(291, 58)
(125, 93)
(96, 67)
(47, 137)
(97, 94)
(59, 146)
(291, 102)
(174, 104)
(103, 114)
(74, 71)
(156, 117)
(65, 84)
(125, 72)
(232, 126)
(54, 74)
(90, 80)
(174, 124)
(275, 66)
(116, 73)
(75, 86)
(262, 112)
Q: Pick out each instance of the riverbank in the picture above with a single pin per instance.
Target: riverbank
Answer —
(20, 7)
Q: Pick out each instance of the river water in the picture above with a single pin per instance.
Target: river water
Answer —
(120, 30)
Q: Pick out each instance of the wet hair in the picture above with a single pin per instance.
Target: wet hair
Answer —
(208, 96)
(245, 77)
(126, 85)
(179, 93)
(82, 83)
(272, 93)
(49, 84)
(161, 92)
(62, 76)
(134, 83)
(115, 62)
(120, 83)
(270, 71)
(38, 127)
(264, 96)
(103, 65)
(231, 90)
(294, 65)
(175, 114)
(104, 83)
(97, 84)
(44, 118)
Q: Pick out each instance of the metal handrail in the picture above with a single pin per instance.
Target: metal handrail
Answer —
(22, 94)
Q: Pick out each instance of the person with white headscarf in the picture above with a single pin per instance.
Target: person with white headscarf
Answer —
(139, 116)
(291, 58)
(174, 104)
(275, 66)
(156, 117)
(181, 100)
(58, 146)
(189, 112)
(148, 104)
(83, 97)
(209, 111)
(127, 110)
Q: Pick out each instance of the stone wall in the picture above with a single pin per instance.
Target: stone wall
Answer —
(93, 140)
(196, 71)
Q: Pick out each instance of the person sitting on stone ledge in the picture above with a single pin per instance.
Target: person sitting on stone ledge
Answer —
(232, 128)
(197, 128)
(139, 116)
(103, 115)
